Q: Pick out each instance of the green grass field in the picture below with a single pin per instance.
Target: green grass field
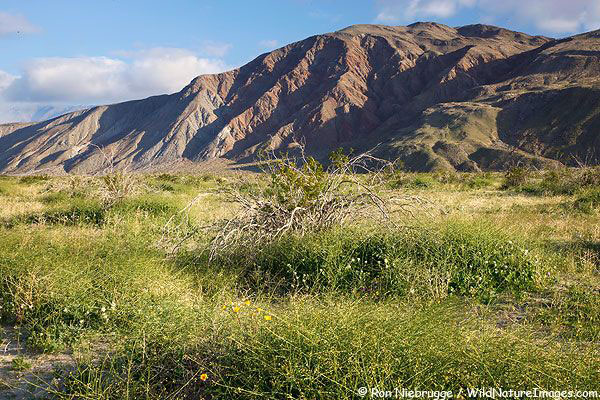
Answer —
(487, 282)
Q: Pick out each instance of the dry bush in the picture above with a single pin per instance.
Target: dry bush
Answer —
(71, 186)
(117, 186)
(116, 183)
(110, 184)
(301, 196)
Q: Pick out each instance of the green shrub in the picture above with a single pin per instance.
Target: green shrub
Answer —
(451, 180)
(59, 197)
(78, 212)
(165, 187)
(59, 290)
(446, 177)
(479, 181)
(554, 182)
(516, 177)
(587, 201)
(325, 348)
(117, 186)
(350, 306)
(431, 262)
(183, 183)
(32, 179)
(423, 181)
(301, 197)
(149, 368)
(565, 181)
(154, 206)
(168, 178)
(399, 179)
(65, 210)
(558, 181)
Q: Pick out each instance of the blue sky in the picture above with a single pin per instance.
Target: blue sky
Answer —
(70, 52)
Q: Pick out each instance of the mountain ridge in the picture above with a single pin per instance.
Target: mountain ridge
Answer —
(437, 97)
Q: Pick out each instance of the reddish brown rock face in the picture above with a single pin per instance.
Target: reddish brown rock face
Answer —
(435, 96)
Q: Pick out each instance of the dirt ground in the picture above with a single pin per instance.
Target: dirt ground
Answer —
(28, 383)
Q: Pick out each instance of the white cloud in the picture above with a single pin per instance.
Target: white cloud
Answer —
(385, 17)
(216, 49)
(404, 10)
(49, 86)
(438, 8)
(269, 44)
(102, 79)
(15, 24)
(559, 25)
(166, 70)
(551, 16)
(6, 80)
(69, 79)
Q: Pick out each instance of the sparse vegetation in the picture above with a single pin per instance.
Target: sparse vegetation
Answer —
(479, 287)
(566, 181)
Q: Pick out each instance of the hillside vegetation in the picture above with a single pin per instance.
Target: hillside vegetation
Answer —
(485, 280)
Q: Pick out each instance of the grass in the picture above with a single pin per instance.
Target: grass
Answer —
(482, 287)
(340, 346)
(566, 181)
(445, 181)
(20, 364)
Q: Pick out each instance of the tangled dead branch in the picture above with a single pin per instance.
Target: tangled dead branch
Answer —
(300, 196)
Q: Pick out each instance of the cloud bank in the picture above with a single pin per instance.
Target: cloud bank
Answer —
(99, 80)
(552, 16)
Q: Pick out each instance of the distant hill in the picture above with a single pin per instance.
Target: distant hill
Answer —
(28, 112)
(467, 98)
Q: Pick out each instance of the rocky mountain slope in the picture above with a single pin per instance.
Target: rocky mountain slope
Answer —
(467, 98)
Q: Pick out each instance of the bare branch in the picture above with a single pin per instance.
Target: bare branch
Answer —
(302, 196)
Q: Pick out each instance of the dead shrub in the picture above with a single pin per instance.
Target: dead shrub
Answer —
(301, 196)
(116, 186)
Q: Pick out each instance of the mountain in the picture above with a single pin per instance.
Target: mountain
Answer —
(437, 97)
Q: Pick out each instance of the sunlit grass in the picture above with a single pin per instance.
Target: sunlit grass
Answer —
(420, 306)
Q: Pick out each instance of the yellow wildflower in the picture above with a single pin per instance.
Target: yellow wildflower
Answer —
(203, 377)
(236, 309)
(267, 317)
